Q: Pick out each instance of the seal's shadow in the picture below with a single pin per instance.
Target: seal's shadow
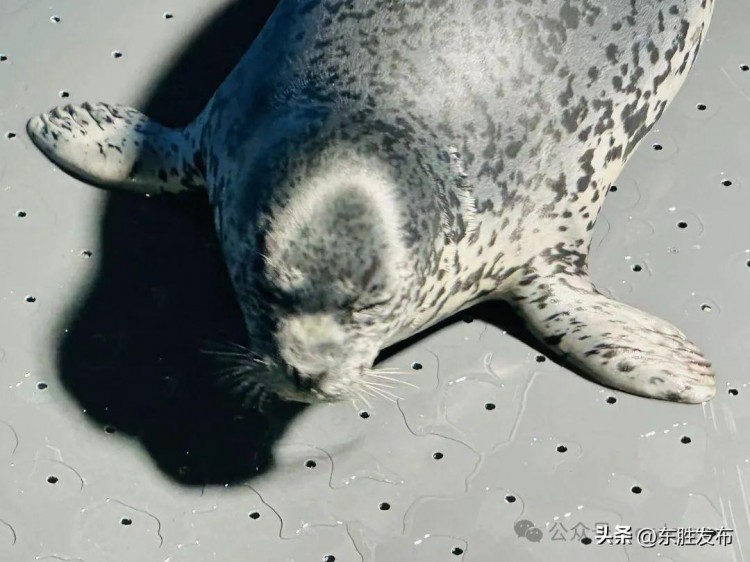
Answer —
(131, 354)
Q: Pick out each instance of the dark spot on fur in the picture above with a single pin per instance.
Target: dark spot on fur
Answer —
(554, 340)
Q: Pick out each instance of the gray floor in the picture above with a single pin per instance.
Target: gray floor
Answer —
(116, 446)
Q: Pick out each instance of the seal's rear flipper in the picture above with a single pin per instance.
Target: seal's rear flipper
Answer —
(117, 147)
(613, 343)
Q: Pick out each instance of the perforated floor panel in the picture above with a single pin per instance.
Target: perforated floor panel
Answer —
(116, 445)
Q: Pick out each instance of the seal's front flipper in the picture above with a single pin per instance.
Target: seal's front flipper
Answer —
(613, 343)
(118, 147)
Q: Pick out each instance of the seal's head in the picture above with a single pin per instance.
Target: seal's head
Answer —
(329, 289)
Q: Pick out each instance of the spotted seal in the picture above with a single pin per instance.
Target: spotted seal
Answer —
(375, 166)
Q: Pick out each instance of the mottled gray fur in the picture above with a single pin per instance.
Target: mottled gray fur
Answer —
(378, 165)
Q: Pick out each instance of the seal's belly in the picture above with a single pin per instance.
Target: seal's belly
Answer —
(542, 152)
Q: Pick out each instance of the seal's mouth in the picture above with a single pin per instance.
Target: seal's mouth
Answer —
(274, 379)
(257, 379)
(313, 388)
(311, 396)
(360, 386)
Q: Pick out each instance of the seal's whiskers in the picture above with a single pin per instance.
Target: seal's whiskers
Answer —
(391, 379)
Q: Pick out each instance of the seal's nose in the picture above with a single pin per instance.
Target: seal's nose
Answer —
(311, 345)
